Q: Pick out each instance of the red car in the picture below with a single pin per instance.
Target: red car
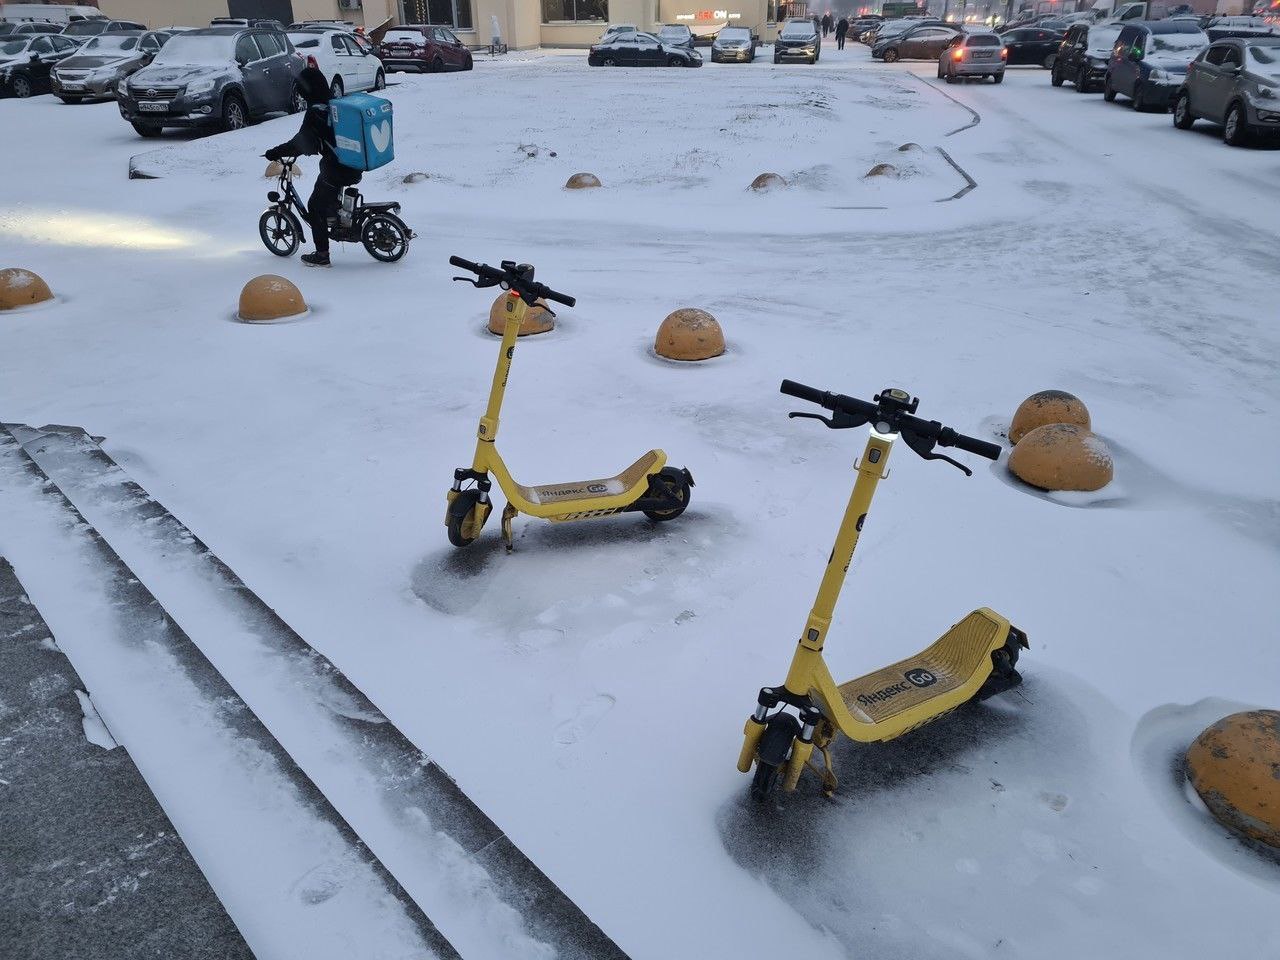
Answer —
(423, 49)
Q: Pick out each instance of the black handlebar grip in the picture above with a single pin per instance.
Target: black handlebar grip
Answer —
(464, 264)
(812, 394)
(564, 298)
(971, 445)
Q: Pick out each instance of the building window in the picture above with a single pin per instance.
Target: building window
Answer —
(440, 13)
(575, 11)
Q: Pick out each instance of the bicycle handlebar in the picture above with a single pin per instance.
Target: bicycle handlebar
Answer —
(890, 410)
(512, 276)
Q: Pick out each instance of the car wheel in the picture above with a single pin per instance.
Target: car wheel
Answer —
(380, 81)
(336, 89)
(146, 130)
(951, 77)
(891, 55)
(234, 114)
(1082, 81)
(1182, 116)
(297, 102)
(674, 62)
(1108, 91)
(1049, 61)
(467, 64)
(610, 62)
(21, 87)
(1234, 131)
(1056, 78)
(998, 78)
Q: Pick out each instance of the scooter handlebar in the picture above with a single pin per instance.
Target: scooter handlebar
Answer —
(513, 281)
(983, 448)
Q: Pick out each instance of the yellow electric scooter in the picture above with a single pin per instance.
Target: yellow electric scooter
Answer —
(648, 485)
(975, 659)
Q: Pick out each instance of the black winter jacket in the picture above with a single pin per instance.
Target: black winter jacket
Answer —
(316, 136)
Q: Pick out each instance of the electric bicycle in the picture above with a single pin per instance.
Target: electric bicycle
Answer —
(976, 659)
(649, 486)
(375, 225)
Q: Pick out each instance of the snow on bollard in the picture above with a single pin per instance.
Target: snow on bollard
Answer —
(537, 319)
(415, 177)
(1234, 766)
(689, 334)
(881, 170)
(269, 298)
(769, 181)
(910, 148)
(1047, 406)
(275, 168)
(21, 288)
(582, 181)
(1062, 456)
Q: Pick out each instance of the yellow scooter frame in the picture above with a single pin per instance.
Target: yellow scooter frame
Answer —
(648, 485)
(976, 658)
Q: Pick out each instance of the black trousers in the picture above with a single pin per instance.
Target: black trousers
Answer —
(323, 204)
(839, 41)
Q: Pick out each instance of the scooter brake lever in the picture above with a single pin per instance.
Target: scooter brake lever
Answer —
(923, 447)
(477, 283)
(838, 421)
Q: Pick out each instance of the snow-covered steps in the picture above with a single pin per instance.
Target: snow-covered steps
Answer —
(93, 869)
(292, 874)
(486, 896)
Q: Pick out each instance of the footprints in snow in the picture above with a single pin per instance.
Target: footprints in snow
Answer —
(584, 719)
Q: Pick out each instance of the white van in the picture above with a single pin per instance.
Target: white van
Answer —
(53, 12)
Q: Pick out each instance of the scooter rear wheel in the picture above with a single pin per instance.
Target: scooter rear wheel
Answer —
(671, 481)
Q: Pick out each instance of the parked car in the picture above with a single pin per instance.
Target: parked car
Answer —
(82, 30)
(973, 55)
(1235, 82)
(345, 65)
(345, 25)
(918, 43)
(423, 49)
(220, 77)
(616, 28)
(640, 50)
(891, 28)
(1032, 45)
(734, 44)
(676, 35)
(1220, 28)
(10, 30)
(262, 22)
(1084, 54)
(27, 60)
(96, 69)
(798, 40)
(1149, 61)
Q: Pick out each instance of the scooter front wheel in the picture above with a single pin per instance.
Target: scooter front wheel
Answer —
(280, 231)
(456, 519)
(772, 754)
(671, 484)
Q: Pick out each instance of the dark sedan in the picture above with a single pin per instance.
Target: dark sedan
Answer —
(640, 50)
(25, 63)
(798, 40)
(917, 43)
(733, 44)
(95, 70)
(1032, 45)
(82, 30)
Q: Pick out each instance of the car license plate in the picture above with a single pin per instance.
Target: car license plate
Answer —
(982, 56)
(72, 86)
(153, 106)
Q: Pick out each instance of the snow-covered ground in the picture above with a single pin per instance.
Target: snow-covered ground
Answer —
(1103, 252)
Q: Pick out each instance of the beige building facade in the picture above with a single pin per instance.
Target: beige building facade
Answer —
(521, 24)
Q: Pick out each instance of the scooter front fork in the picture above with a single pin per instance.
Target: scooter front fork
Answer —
(801, 748)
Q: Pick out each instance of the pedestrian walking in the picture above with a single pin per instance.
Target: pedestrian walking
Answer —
(826, 24)
(842, 30)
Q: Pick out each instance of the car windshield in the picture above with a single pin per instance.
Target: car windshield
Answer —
(111, 42)
(1183, 44)
(1101, 40)
(403, 36)
(12, 47)
(84, 28)
(984, 40)
(797, 31)
(674, 33)
(735, 33)
(1267, 54)
(196, 51)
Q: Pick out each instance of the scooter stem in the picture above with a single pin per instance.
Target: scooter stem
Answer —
(871, 469)
(514, 308)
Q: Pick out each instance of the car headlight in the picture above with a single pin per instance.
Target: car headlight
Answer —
(1158, 74)
(122, 88)
(202, 86)
(1268, 92)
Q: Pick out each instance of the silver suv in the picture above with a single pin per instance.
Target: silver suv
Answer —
(973, 55)
(1236, 83)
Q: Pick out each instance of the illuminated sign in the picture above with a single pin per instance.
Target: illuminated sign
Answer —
(709, 15)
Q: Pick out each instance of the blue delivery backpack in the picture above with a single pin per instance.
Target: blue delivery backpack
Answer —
(362, 131)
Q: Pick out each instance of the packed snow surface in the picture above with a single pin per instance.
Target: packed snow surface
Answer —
(589, 690)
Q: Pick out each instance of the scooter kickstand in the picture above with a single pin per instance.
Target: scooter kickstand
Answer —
(508, 514)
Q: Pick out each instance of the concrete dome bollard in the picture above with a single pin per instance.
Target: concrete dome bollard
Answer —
(689, 334)
(268, 298)
(769, 181)
(910, 148)
(275, 167)
(882, 170)
(415, 177)
(537, 319)
(1047, 406)
(1062, 456)
(21, 288)
(582, 181)
(1234, 766)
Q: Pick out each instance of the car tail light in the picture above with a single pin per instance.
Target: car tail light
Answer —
(311, 62)
(959, 54)
(1004, 53)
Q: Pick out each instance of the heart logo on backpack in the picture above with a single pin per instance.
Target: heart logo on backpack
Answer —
(381, 133)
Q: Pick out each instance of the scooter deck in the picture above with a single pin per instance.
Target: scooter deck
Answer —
(629, 478)
(943, 676)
